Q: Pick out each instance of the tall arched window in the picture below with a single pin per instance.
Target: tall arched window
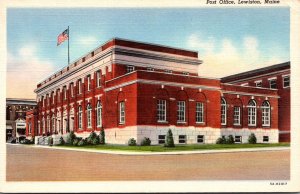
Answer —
(223, 111)
(79, 117)
(252, 113)
(53, 124)
(265, 108)
(99, 114)
(89, 115)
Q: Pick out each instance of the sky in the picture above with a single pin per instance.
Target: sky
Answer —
(228, 41)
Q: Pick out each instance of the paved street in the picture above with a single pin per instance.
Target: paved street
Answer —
(25, 163)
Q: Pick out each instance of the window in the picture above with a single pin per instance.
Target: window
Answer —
(53, 99)
(72, 89)
(92, 53)
(161, 139)
(258, 84)
(65, 92)
(237, 115)
(265, 139)
(161, 110)
(48, 124)
(238, 139)
(89, 115)
(200, 139)
(223, 111)
(58, 95)
(122, 112)
(286, 81)
(150, 69)
(88, 82)
(99, 114)
(48, 100)
(98, 79)
(83, 59)
(182, 139)
(130, 68)
(199, 112)
(79, 87)
(181, 111)
(252, 113)
(168, 71)
(53, 124)
(79, 117)
(265, 109)
(273, 83)
(29, 128)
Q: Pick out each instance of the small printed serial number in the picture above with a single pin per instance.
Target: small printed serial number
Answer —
(278, 183)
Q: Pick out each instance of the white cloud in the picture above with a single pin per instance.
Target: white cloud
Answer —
(24, 71)
(87, 41)
(222, 58)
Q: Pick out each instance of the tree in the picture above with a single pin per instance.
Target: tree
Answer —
(169, 139)
(102, 136)
(252, 138)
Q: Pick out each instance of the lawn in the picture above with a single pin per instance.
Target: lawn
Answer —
(161, 148)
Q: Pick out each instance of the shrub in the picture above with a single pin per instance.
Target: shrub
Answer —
(95, 141)
(146, 141)
(102, 136)
(82, 142)
(169, 139)
(50, 141)
(230, 140)
(70, 138)
(76, 141)
(25, 141)
(91, 137)
(252, 138)
(132, 142)
(221, 140)
(61, 141)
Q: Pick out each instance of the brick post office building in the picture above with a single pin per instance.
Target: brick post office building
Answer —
(136, 90)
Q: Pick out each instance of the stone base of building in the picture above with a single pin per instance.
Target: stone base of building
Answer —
(181, 135)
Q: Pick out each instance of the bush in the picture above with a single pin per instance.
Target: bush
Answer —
(26, 141)
(132, 142)
(146, 141)
(50, 141)
(221, 140)
(61, 141)
(92, 137)
(252, 139)
(95, 141)
(102, 136)
(230, 140)
(76, 141)
(70, 138)
(169, 139)
(82, 142)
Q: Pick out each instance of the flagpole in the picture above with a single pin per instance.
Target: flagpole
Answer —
(68, 45)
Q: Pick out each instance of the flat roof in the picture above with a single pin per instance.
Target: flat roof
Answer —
(255, 72)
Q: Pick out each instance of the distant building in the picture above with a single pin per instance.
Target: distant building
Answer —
(274, 77)
(16, 116)
(135, 90)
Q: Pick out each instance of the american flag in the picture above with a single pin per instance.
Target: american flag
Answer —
(62, 37)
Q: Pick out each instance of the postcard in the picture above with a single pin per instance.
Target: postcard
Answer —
(142, 96)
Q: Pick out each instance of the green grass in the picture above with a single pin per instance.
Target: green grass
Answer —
(160, 148)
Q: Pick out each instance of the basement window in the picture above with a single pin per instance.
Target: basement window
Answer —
(265, 139)
(161, 139)
(182, 139)
(200, 139)
(238, 139)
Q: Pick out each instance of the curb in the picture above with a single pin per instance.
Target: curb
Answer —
(133, 153)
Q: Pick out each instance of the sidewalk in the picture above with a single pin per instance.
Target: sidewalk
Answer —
(118, 152)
